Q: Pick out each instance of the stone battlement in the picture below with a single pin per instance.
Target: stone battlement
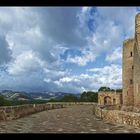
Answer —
(128, 40)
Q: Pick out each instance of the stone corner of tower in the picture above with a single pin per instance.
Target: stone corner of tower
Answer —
(128, 41)
(137, 15)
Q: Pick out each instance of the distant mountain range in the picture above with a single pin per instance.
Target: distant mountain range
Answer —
(16, 95)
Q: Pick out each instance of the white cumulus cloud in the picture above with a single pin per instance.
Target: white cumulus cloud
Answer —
(116, 55)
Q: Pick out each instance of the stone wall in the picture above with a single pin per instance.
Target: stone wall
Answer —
(14, 112)
(109, 97)
(137, 62)
(118, 116)
(131, 70)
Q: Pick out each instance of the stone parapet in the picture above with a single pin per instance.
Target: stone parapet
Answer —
(118, 116)
(15, 112)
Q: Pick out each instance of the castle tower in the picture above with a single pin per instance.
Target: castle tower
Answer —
(127, 74)
(137, 62)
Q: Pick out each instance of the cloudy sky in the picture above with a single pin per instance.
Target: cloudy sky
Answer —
(68, 49)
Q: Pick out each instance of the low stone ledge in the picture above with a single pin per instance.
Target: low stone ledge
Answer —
(14, 112)
(118, 116)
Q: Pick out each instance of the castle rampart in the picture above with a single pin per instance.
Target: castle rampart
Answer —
(15, 112)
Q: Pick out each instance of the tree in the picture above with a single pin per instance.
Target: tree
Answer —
(69, 98)
(105, 89)
(1, 100)
(4, 102)
(118, 90)
(52, 100)
(89, 96)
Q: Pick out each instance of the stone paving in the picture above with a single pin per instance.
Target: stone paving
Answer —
(73, 119)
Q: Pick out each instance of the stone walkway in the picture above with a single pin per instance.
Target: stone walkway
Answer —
(74, 119)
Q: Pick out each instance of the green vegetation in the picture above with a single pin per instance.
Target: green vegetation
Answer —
(53, 100)
(4, 102)
(88, 96)
(1, 100)
(28, 102)
(105, 89)
(66, 98)
(69, 98)
(118, 90)
(109, 89)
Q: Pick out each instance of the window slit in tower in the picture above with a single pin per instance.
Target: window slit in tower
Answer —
(131, 81)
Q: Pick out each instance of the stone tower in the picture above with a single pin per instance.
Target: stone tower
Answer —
(131, 70)
(137, 62)
(127, 74)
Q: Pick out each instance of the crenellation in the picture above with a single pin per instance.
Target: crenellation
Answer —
(127, 41)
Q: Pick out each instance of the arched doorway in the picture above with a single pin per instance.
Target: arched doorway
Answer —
(107, 100)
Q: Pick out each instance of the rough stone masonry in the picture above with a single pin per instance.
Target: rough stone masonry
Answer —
(129, 113)
(131, 70)
(130, 99)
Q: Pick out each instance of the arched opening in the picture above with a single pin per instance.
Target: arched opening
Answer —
(107, 100)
